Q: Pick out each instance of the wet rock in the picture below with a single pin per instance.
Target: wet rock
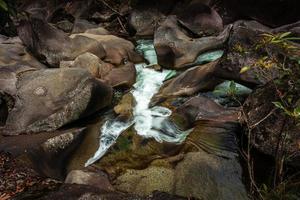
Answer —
(175, 48)
(198, 17)
(245, 50)
(49, 99)
(51, 45)
(98, 180)
(118, 50)
(267, 133)
(125, 108)
(13, 54)
(191, 81)
(48, 152)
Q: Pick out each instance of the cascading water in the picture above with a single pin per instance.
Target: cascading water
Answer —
(148, 122)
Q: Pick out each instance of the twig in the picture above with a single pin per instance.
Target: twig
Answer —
(121, 24)
(114, 10)
(263, 119)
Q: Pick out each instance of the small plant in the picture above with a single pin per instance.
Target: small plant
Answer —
(3, 5)
(295, 113)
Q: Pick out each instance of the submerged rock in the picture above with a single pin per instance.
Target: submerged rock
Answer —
(48, 99)
(175, 48)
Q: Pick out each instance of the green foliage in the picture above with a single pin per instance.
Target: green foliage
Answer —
(233, 90)
(295, 113)
(3, 5)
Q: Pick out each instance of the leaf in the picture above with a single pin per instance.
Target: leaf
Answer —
(244, 69)
(297, 111)
(283, 35)
(3, 5)
(278, 105)
(267, 35)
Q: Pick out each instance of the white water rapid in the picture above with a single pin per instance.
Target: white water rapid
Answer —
(148, 122)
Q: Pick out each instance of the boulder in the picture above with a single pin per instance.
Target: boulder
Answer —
(82, 25)
(144, 21)
(118, 51)
(198, 17)
(204, 109)
(48, 99)
(85, 177)
(267, 123)
(97, 67)
(199, 175)
(196, 79)
(176, 49)
(125, 107)
(13, 54)
(146, 181)
(122, 77)
(48, 153)
(210, 177)
(245, 49)
(51, 45)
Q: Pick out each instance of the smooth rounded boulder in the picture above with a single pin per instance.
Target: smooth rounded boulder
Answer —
(175, 49)
(48, 99)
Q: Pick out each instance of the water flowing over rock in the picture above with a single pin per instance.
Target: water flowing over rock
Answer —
(41, 105)
(176, 49)
(147, 122)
